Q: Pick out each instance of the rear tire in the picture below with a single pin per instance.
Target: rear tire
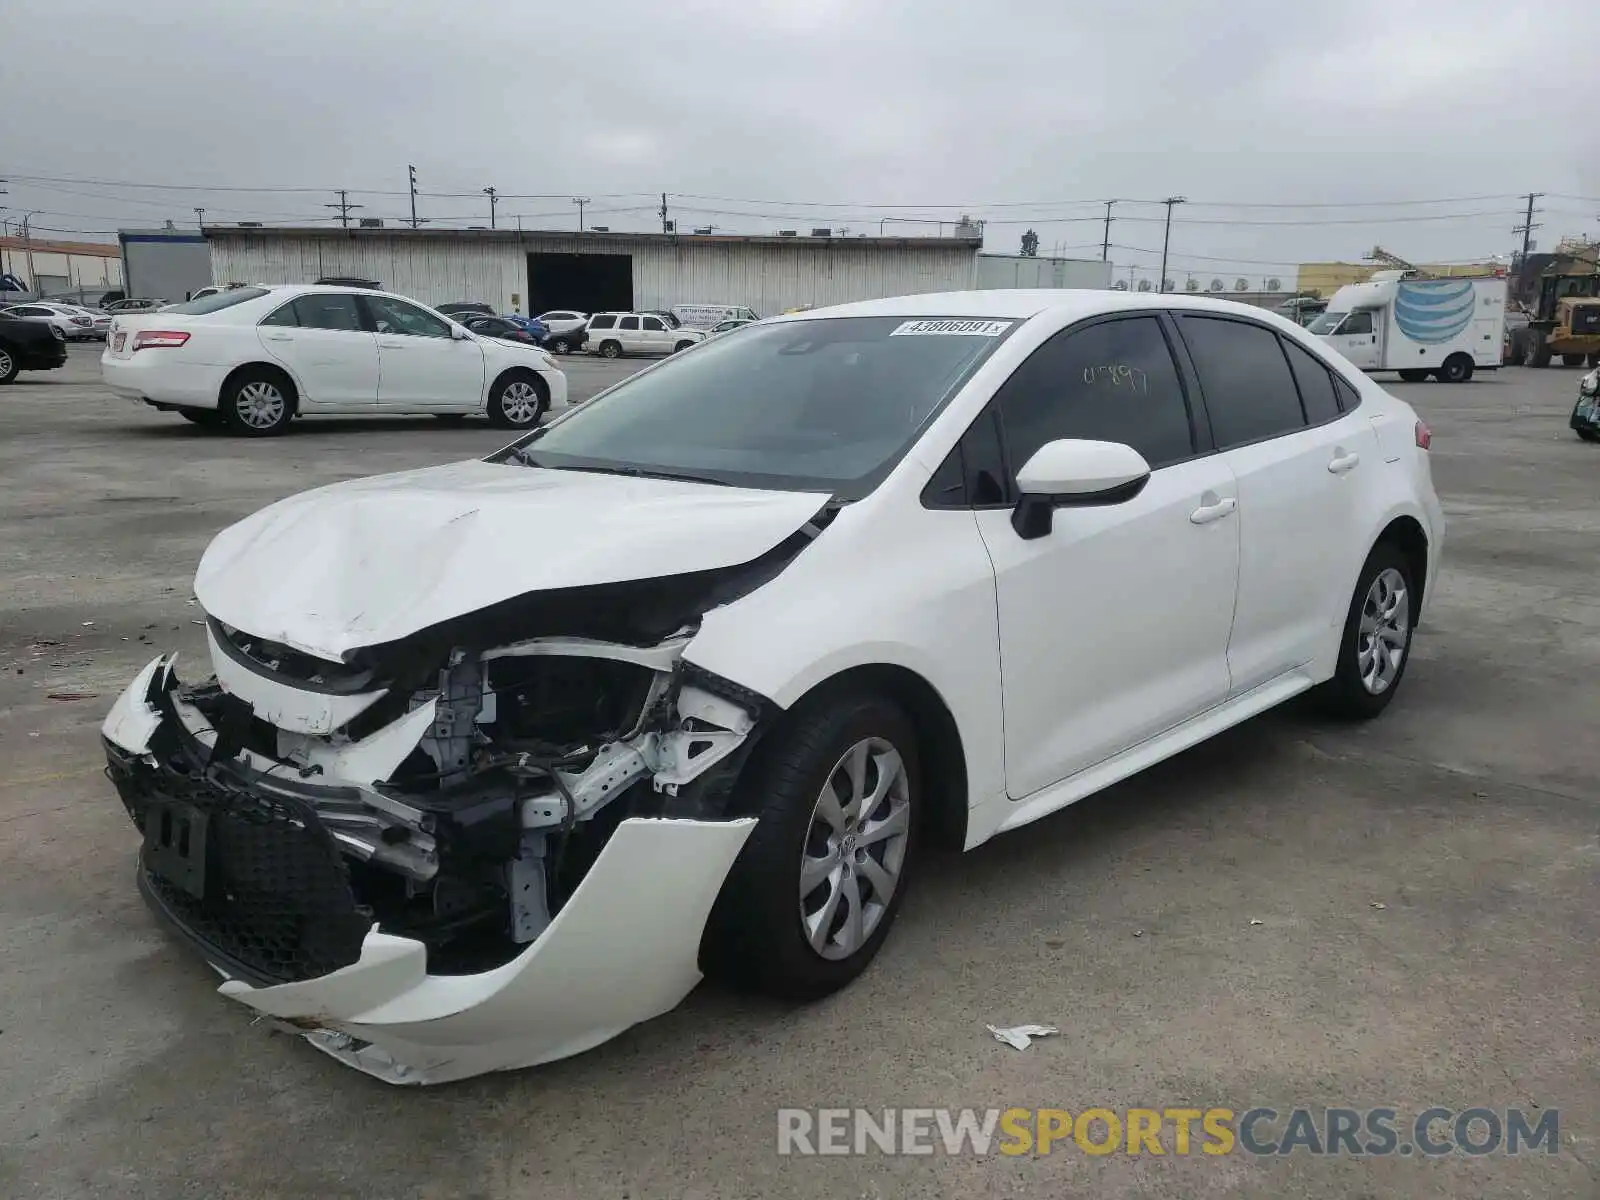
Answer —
(681, 346)
(610, 350)
(1376, 646)
(518, 400)
(1456, 369)
(1539, 354)
(1593, 360)
(1572, 360)
(766, 931)
(257, 402)
(1414, 375)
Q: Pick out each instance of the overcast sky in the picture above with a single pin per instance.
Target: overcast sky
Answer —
(795, 113)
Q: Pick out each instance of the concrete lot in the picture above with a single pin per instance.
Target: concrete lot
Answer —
(1402, 914)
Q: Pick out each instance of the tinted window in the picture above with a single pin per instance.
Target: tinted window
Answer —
(283, 315)
(396, 316)
(605, 322)
(1349, 398)
(654, 324)
(1316, 385)
(319, 311)
(628, 323)
(211, 304)
(1249, 391)
(1112, 382)
(1357, 322)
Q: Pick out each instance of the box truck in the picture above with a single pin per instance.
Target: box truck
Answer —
(1400, 321)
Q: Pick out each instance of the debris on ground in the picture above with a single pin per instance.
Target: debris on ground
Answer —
(86, 624)
(69, 696)
(1253, 921)
(1021, 1036)
(1379, 904)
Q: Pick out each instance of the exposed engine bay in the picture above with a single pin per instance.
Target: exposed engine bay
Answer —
(466, 778)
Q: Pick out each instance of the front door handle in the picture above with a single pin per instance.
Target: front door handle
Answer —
(279, 337)
(393, 345)
(1214, 511)
(1342, 462)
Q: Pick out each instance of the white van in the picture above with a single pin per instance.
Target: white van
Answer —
(704, 316)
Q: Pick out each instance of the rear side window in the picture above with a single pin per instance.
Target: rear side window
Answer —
(217, 302)
(319, 310)
(1349, 398)
(1315, 383)
(1249, 391)
(1114, 382)
(606, 322)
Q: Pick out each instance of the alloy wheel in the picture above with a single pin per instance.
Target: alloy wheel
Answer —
(1384, 632)
(520, 402)
(855, 848)
(260, 404)
(5, 364)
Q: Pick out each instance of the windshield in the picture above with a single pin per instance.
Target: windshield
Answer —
(826, 405)
(214, 303)
(1326, 322)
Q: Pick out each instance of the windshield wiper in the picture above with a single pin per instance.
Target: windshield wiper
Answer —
(527, 460)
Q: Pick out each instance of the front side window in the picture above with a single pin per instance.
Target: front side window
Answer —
(396, 316)
(1357, 322)
(1249, 391)
(321, 310)
(1326, 322)
(218, 301)
(654, 324)
(826, 405)
(1113, 382)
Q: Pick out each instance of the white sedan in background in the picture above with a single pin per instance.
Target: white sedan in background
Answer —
(74, 322)
(687, 678)
(254, 358)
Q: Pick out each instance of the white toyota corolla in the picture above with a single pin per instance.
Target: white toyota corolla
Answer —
(254, 358)
(492, 759)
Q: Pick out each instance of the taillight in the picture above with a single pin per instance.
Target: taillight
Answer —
(152, 339)
(1424, 436)
(82, 321)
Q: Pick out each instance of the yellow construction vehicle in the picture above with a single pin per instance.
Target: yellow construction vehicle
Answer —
(1565, 320)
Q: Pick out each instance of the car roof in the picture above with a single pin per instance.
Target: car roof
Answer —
(1023, 303)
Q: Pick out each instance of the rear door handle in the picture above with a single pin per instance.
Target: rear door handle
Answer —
(393, 345)
(1342, 462)
(1208, 513)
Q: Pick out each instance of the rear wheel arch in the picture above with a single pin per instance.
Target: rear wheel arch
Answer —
(260, 368)
(1406, 534)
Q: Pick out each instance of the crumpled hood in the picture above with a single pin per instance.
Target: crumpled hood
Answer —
(372, 560)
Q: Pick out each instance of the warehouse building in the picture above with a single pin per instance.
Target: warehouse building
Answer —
(1040, 271)
(598, 271)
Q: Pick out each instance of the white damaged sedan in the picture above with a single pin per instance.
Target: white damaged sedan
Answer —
(492, 760)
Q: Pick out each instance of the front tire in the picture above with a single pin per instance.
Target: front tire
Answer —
(518, 400)
(560, 345)
(813, 893)
(1572, 360)
(681, 346)
(257, 403)
(1376, 646)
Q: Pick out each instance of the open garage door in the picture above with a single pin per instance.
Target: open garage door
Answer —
(586, 282)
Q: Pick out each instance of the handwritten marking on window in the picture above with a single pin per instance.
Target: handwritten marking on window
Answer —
(1118, 375)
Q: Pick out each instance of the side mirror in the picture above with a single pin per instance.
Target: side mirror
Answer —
(459, 332)
(1075, 473)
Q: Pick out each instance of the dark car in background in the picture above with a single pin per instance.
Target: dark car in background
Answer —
(456, 309)
(498, 327)
(29, 346)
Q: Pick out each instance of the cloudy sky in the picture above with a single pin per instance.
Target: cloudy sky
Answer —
(1284, 123)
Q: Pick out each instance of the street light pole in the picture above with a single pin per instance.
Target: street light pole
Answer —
(1161, 284)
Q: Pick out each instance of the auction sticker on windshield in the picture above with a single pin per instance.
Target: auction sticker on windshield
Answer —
(928, 328)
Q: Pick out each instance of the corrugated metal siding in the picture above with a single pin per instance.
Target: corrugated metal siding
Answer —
(768, 278)
(1018, 271)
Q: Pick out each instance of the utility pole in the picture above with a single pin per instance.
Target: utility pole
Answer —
(493, 200)
(580, 201)
(412, 171)
(344, 206)
(200, 217)
(666, 225)
(1526, 230)
(1105, 243)
(1166, 238)
(27, 251)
